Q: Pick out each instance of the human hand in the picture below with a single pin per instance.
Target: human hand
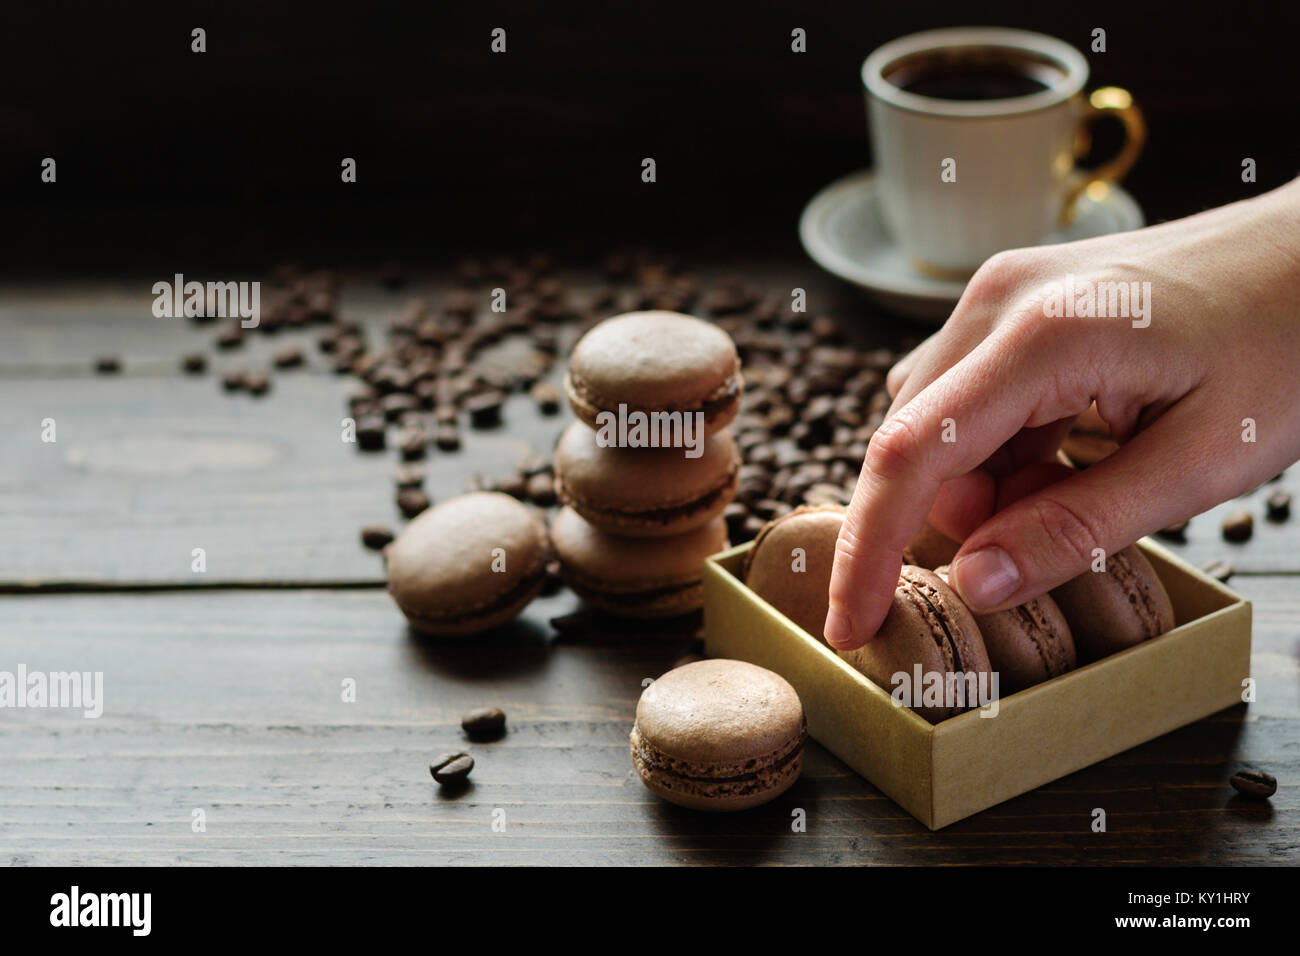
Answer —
(981, 406)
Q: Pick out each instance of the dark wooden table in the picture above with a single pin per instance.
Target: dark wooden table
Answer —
(223, 690)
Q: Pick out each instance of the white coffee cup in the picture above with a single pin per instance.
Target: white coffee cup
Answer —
(963, 178)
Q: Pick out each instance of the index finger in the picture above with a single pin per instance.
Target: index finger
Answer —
(950, 427)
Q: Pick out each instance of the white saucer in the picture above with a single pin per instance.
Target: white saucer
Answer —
(842, 231)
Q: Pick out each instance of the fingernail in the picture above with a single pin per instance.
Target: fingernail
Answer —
(838, 629)
(986, 578)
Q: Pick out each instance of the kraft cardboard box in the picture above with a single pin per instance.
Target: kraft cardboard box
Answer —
(941, 773)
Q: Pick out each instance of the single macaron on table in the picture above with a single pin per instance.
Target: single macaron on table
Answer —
(949, 712)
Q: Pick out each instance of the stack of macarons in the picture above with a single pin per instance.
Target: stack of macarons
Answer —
(647, 470)
(1085, 619)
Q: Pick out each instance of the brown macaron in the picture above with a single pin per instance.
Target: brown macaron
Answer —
(655, 362)
(719, 735)
(1089, 439)
(789, 565)
(645, 492)
(1026, 645)
(635, 577)
(927, 627)
(468, 565)
(1118, 608)
(930, 548)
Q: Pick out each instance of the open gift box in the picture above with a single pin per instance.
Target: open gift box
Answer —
(943, 772)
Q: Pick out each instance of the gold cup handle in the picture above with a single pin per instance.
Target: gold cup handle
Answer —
(1106, 100)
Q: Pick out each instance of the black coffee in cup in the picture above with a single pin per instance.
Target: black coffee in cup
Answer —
(973, 73)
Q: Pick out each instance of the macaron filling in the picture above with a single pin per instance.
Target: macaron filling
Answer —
(658, 515)
(712, 405)
(936, 617)
(756, 770)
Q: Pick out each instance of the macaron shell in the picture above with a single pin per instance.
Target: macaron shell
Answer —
(912, 634)
(485, 620)
(720, 712)
(1026, 645)
(635, 577)
(931, 547)
(719, 735)
(645, 492)
(722, 796)
(1115, 609)
(445, 565)
(802, 595)
(653, 361)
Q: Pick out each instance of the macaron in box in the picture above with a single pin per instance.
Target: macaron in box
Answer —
(1177, 652)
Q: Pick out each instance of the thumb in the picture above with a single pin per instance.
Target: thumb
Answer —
(1052, 535)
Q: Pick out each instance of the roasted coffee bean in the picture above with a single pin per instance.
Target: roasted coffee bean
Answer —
(452, 770)
(735, 514)
(412, 443)
(547, 397)
(1238, 526)
(485, 723)
(445, 414)
(232, 381)
(447, 438)
(412, 501)
(541, 489)
(1175, 532)
(765, 454)
(460, 302)
(1255, 784)
(288, 357)
(769, 508)
(371, 433)
(752, 526)
(376, 536)
(397, 404)
(257, 383)
(485, 408)
(1221, 571)
(516, 486)
(194, 363)
(230, 337)
(1279, 505)
(826, 494)
(108, 365)
(535, 465)
(825, 329)
(409, 476)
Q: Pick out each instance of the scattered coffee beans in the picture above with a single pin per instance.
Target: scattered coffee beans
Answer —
(192, 363)
(288, 357)
(1254, 783)
(257, 383)
(412, 501)
(376, 536)
(232, 381)
(1238, 526)
(1175, 532)
(108, 365)
(1219, 570)
(452, 769)
(485, 723)
(485, 408)
(1279, 505)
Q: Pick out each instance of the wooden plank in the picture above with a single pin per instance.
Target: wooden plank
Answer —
(147, 469)
(152, 464)
(229, 702)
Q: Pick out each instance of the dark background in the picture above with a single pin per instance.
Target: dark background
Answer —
(170, 159)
